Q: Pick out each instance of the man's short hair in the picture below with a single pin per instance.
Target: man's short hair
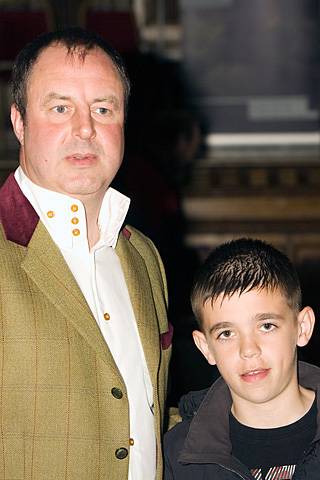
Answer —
(76, 40)
(243, 265)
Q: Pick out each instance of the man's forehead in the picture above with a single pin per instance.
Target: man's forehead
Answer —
(56, 59)
(74, 54)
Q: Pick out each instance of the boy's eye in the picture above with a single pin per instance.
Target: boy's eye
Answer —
(268, 327)
(225, 334)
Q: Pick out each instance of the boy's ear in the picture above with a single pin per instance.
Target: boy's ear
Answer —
(200, 340)
(306, 320)
(17, 123)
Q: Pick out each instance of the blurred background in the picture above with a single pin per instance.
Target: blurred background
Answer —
(222, 136)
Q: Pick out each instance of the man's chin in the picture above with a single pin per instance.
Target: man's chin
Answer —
(85, 189)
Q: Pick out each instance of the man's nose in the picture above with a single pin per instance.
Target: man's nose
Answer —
(83, 125)
(249, 347)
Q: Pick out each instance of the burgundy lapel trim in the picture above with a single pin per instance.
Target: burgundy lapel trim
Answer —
(18, 217)
(126, 233)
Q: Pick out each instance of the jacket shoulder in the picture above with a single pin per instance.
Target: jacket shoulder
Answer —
(175, 437)
(190, 402)
(173, 444)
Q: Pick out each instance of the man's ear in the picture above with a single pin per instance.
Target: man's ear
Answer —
(200, 340)
(306, 320)
(17, 123)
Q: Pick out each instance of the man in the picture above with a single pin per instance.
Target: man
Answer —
(260, 420)
(85, 342)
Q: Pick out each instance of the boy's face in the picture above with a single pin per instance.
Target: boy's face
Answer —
(252, 339)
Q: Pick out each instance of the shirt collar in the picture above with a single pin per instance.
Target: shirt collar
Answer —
(65, 217)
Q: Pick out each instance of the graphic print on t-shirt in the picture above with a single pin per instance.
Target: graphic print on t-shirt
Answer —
(275, 473)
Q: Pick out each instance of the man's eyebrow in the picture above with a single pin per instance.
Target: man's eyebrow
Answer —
(109, 99)
(55, 96)
(59, 96)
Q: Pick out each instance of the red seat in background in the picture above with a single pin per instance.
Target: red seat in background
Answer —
(18, 27)
(117, 27)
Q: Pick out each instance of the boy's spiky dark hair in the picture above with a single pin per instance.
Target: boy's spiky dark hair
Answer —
(243, 265)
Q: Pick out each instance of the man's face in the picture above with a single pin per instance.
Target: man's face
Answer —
(252, 339)
(72, 137)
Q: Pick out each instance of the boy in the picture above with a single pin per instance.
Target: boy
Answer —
(260, 419)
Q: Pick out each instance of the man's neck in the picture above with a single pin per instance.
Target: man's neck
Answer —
(92, 209)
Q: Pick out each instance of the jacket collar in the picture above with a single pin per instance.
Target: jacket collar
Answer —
(208, 439)
(18, 217)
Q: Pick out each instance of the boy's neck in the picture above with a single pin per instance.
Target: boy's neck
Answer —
(275, 413)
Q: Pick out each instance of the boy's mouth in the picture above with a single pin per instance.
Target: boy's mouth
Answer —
(255, 375)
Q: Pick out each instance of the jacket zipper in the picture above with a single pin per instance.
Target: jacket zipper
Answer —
(234, 471)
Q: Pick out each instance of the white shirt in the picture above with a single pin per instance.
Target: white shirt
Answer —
(99, 275)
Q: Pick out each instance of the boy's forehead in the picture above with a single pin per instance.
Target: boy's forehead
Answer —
(258, 299)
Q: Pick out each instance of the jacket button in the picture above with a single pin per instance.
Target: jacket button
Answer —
(121, 453)
(117, 393)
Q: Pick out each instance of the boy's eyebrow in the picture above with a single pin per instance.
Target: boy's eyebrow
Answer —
(219, 326)
(267, 316)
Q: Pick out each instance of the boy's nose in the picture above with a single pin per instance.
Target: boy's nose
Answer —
(249, 347)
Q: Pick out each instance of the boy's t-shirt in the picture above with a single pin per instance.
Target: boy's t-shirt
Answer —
(273, 453)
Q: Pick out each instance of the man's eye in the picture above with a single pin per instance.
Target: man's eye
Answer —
(102, 110)
(60, 109)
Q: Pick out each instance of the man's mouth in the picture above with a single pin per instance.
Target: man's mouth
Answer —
(81, 159)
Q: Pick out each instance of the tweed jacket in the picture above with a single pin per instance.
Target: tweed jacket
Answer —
(64, 410)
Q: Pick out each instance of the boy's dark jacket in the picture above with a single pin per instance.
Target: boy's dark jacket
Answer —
(199, 447)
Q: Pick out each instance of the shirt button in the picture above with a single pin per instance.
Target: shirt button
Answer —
(106, 316)
(121, 453)
(50, 214)
(74, 207)
(117, 393)
(131, 441)
(76, 232)
(74, 220)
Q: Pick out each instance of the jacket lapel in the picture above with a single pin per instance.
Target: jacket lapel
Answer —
(46, 267)
(17, 215)
(138, 283)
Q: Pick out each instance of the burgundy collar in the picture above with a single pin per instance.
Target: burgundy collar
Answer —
(18, 217)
